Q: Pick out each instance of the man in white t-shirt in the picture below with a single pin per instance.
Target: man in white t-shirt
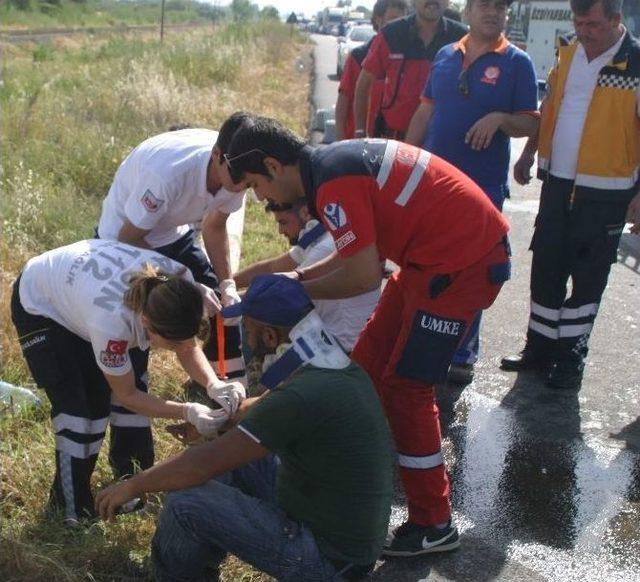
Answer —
(167, 188)
(344, 318)
(589, 161)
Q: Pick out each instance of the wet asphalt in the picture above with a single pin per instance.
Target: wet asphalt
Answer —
(545, 483)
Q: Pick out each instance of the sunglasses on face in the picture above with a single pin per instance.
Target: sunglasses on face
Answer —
(235, 172)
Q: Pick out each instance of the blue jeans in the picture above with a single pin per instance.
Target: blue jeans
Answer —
(469, 349)
(235, 513)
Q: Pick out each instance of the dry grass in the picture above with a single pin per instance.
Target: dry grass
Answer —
(69, 115)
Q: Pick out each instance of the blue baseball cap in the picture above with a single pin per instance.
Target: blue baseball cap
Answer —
(274, 300)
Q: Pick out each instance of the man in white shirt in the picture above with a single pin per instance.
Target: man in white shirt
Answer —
(343, 318)
(168, 187)
(589, 159)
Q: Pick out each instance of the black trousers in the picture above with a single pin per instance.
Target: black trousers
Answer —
(574, 240)
(187, 251)
(64, 365)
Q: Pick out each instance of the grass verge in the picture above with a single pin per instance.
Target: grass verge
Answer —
(70, 113)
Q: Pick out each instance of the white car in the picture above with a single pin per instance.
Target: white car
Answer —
(356, 36)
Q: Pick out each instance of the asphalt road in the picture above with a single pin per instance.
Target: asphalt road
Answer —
(546, 484)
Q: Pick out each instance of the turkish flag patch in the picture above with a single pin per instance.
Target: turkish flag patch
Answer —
(150, 202)
(117, 347)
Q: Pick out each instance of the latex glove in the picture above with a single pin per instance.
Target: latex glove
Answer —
(207, 421)
(210, 302)
(229, 296)
(229, 395)
(229, 293)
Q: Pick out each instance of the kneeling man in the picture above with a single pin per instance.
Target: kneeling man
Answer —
(317, 511)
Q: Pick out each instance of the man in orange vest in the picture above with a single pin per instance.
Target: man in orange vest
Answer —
(588, 158)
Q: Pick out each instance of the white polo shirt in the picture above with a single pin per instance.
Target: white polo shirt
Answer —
(580, 85)
(343, 318)
(81, 287)
(162, 186)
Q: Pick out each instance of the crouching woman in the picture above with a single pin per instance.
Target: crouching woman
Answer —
(86, 315)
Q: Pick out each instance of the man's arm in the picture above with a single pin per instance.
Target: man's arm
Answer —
(522, 168)
(322, 267)
(346, 91)
(513, 124)
(133, 235)
(194, 466)
(419, 124)
(357, 274)
(342, 114)
(276, 265)
(361, 101)
(216, 243)
(633, 214)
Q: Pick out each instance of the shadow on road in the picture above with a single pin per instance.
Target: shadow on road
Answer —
(523, 477)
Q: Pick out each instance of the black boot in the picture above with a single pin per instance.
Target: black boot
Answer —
(566, 375)
(527, 359)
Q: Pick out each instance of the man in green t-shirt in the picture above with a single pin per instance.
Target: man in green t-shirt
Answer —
(301, 488)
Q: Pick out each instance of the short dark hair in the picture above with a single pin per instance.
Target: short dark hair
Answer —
(253, 142)
(458, 16)
(609, 7)
(231, 125)
(381, 6)
(273, 206)
(179, 126)
(452, 14)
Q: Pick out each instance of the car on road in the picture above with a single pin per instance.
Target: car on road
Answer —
(356, 35)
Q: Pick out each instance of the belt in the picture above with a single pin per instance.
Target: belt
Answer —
(351, 571)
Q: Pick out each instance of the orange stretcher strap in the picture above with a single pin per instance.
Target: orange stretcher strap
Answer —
(222, 360)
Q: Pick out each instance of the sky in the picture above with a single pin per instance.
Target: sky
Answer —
(309, 7)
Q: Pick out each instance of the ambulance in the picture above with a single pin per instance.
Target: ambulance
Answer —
(534, 26)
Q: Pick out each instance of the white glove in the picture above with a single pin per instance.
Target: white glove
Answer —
(207, 421)
(229, 296)
(229, 292)
(210, 302)
(229, 395)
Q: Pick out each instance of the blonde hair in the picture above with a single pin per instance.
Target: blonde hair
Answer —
(172, 305)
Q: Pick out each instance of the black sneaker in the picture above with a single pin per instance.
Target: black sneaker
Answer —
(411, 539)
(566, 376)
(460, 374)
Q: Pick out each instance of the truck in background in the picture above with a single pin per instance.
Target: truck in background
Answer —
(534, 26)
(332, 21)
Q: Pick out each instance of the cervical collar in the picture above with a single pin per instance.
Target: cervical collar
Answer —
(311, 232)
(311, 345)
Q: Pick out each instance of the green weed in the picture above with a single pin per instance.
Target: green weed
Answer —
(68, 119)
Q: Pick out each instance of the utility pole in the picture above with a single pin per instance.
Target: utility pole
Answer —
(162, 23)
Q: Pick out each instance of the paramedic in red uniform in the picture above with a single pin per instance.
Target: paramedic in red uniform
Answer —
(384, 199)
(384, 11)
(401, 55)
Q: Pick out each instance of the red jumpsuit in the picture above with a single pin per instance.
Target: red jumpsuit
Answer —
(450, 244)
(347, 87)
